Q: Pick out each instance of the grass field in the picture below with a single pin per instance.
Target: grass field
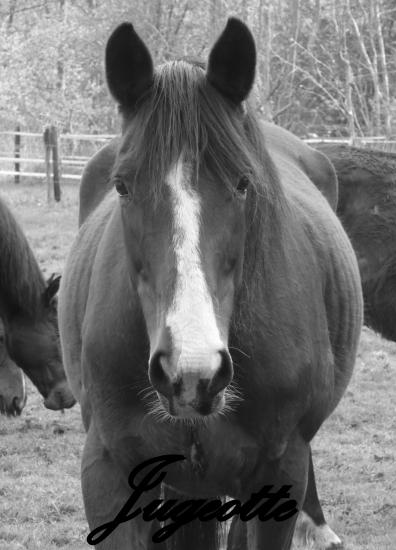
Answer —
(40, 499)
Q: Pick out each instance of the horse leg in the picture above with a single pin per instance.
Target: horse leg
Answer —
(292, 470)
(237, 535)
(194, 535)
(311, 523)
(105, 492)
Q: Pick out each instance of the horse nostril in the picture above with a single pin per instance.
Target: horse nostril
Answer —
(157, 375)
(223, 375)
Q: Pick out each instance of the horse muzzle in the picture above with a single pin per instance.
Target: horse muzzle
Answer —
(188, 387)
(60, 397)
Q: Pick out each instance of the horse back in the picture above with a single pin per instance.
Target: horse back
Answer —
(311, 162)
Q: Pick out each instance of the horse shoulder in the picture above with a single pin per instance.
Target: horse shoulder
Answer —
(112, 333)
(313, 163)
(95, 180)
(74, 291)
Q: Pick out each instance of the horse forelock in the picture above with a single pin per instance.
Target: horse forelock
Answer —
(182, 112)
(21, 282)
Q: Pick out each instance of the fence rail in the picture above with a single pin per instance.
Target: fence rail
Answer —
(356, 141)
(88, 137)
(41, 175)
(65, 160)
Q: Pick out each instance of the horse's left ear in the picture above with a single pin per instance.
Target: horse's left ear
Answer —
(232, 61)
(52, 288)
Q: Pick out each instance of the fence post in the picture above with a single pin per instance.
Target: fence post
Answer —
(47, 147)
(17, 152)
(55, 163)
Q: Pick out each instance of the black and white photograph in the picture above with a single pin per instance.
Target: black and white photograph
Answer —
(198, 274)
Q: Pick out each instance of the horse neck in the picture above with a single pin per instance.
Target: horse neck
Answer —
(21, 281)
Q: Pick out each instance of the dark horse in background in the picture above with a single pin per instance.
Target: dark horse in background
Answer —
(28, 308)
(367, 209)
(213, 308)
(12, 381)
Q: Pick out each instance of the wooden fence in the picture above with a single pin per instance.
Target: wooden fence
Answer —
(56, 165)
(381, 143)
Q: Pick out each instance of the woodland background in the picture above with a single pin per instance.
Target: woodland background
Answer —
(325, 67)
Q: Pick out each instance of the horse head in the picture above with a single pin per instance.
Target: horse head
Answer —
(183, 171)
(34, 344)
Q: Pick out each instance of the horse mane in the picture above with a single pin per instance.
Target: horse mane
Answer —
(21, 281)
(182, 112)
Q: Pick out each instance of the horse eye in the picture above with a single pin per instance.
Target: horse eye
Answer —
(243, 185)
(229, 265)
(121, 188)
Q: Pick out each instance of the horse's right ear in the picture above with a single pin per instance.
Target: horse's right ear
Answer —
(129, 67)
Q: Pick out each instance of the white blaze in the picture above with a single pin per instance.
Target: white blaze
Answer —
(191, 318)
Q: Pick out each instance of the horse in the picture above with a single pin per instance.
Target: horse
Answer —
(367, 209)
(28, 308)
(210, 307)
(12, 381)
(96, 183)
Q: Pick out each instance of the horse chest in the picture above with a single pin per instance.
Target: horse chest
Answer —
(219, 459)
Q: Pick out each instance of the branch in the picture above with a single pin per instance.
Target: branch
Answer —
(324, 90)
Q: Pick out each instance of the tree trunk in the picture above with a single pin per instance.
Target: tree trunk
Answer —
(60, 64)
(371, 68)
(265, 30)
(214, 19)
(384, 70)
(314, 32)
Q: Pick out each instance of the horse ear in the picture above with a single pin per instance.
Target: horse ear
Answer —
(52, 288)
(232, 61)
(129, 67)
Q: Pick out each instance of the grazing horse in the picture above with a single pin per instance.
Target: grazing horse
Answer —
(12, 381)
(367, 209)
(28, 308)
(212, 309)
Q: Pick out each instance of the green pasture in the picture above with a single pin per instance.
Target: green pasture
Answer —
(40, 501)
